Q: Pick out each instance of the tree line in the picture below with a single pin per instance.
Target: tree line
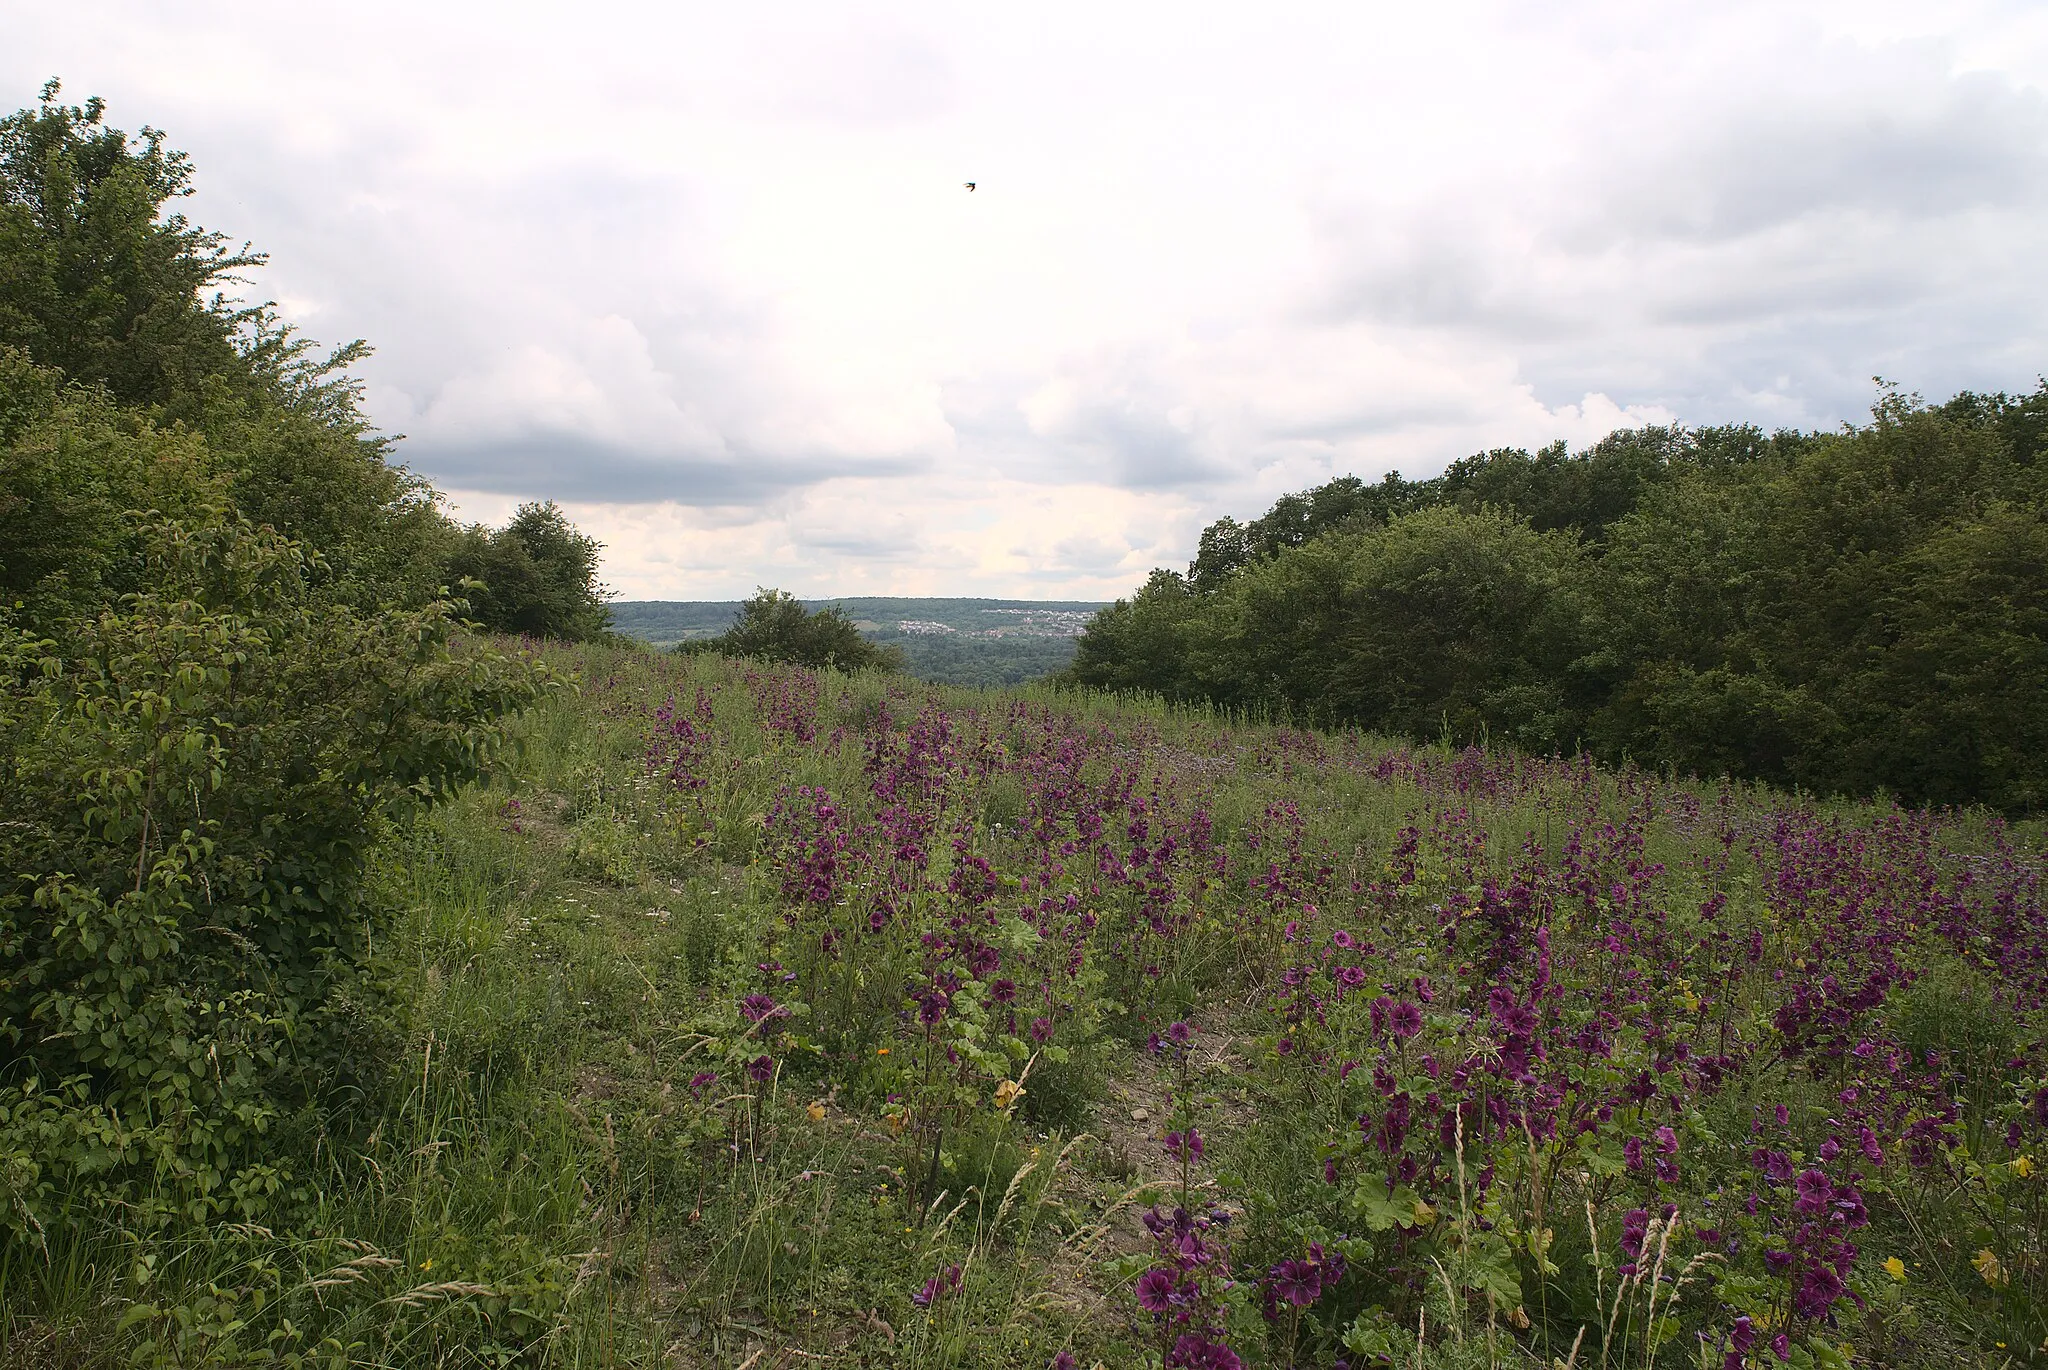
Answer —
(1850, 612)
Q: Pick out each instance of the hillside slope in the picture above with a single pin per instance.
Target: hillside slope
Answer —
(760, 1017)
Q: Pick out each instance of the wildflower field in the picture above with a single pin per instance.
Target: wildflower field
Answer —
(768, 1018)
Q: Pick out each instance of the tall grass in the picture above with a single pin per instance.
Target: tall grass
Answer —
(539, 1175)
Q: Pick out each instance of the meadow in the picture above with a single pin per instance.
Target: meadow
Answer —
(754, 1016)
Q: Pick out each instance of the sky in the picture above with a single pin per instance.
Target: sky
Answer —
(709, 275)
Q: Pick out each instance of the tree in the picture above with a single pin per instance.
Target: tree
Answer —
(99, 282)
(104, 286)
(775, 626)
(1141, 643)
(1296, 519)
(1441, 619)
(537, 574)
(1848, 612)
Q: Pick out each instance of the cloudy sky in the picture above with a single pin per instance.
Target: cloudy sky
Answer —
(708, 275)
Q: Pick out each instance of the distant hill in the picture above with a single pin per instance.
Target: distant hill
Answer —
(952, 641)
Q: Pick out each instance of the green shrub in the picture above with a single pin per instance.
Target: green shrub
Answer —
(775, 626)
(193, 782)
(603, 848)
(537, 575)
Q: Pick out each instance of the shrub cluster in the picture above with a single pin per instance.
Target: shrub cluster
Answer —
(196, 776)
(774, 626)
(227, 664)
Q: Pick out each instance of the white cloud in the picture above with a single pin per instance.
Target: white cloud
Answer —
(708, 274)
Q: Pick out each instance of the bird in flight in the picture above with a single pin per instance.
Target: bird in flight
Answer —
(968, 184)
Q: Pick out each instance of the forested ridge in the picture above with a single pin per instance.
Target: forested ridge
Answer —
(1850, 612)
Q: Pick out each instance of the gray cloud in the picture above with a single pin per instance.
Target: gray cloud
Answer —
(571, 469)
(1755, 252)
(1923, 145)
(711, 271)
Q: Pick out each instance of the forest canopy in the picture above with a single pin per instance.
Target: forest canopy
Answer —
(1858, 611)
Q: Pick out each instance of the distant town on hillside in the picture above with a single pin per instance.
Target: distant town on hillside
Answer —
(951, 641)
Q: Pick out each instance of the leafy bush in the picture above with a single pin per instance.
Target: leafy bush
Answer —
(71, 464)
(774, 626)
(538, 576)
(193, 781)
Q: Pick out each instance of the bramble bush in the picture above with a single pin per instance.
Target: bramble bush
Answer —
(194, 779)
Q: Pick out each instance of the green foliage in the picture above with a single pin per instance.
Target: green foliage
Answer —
(602, 848)
(99, 283)
(1228, 546)
(775, 626)
(538, 576)
(1848, 612)
(1437, 621)
(1140, 644)
(1554, 489)
(193, 781)
(112, 351)
(1865, 613)
(72, 465)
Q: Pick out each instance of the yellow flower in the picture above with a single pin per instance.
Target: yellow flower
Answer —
(817, 1111)
(1895, 1267)
(881, 1051)
(427, 1264)
(2023, 1166)
(1987, 1265)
